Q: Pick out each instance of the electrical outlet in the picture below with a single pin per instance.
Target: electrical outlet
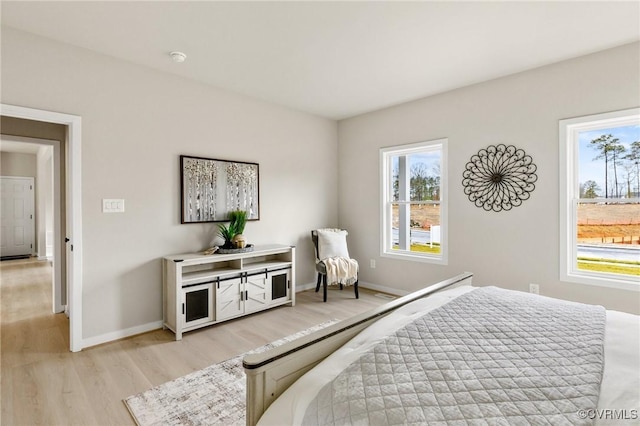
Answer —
(534, 288)
(372, 263)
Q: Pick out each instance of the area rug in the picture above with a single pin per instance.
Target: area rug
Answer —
(211, 396)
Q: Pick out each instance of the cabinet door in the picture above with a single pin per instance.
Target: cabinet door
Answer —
(258, 292)
(228, 301)
(280, 284)
(197, 305)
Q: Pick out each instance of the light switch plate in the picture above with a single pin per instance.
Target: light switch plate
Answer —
(112, 205)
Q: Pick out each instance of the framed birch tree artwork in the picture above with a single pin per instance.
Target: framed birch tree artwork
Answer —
(211, 188)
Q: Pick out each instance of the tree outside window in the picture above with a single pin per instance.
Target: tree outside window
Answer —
(413, 209)
(600, 199)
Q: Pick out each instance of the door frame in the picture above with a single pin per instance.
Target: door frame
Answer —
(73, 209)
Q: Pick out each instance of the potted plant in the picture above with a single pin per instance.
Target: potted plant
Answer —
(232, 234)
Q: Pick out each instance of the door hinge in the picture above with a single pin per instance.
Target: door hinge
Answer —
(31, 187)
(71, 247)
(183, 309)
(31, 245)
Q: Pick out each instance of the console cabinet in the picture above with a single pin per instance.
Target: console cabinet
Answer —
(201, 290)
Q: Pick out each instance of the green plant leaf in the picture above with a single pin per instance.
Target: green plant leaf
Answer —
(238, 219)
(227, 233)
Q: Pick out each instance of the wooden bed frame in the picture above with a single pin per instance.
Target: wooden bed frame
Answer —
(270, 373)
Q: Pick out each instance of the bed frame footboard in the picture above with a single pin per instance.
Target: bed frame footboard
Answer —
(270, 373)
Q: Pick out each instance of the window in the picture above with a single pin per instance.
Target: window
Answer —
(414, 208)
(600, 199)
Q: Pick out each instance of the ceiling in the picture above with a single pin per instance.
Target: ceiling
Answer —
(335, 59)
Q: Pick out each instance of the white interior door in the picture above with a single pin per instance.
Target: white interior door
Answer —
(16, 219)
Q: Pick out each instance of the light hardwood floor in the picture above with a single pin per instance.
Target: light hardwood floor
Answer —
(45, 384)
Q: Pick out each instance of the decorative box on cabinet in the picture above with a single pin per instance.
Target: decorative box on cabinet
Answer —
(201, 290)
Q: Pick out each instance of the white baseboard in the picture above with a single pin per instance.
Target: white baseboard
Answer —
(120, 334)
(361, 284)
(390, 290)
(303, 287)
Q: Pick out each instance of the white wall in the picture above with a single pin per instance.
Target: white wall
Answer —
(135, 124)
(18, 164)
(508, 249)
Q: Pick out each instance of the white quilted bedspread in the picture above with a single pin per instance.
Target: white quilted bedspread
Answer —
(491, 356)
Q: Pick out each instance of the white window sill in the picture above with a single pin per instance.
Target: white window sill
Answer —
(603, 280)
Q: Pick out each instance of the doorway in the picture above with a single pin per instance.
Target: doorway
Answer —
(40, 158)
(71, 185)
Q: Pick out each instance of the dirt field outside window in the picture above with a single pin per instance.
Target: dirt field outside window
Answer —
(609, 223)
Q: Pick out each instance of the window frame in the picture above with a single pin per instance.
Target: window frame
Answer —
(569, 130)
(386, 196)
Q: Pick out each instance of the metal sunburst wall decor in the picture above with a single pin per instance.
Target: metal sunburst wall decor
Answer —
(499, 177)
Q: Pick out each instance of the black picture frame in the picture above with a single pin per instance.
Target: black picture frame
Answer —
(210, 188)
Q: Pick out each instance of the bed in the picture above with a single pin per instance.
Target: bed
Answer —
(556, 369)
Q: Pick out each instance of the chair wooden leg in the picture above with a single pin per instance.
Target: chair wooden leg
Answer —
(324, 288)
(318, 282)
(355, 289)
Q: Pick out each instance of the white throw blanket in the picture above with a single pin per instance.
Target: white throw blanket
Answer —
(341, 270)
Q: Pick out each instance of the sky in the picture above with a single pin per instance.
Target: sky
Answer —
(429, 159)
(590, 169)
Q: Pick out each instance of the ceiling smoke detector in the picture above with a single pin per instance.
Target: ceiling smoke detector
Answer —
(178, 56)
